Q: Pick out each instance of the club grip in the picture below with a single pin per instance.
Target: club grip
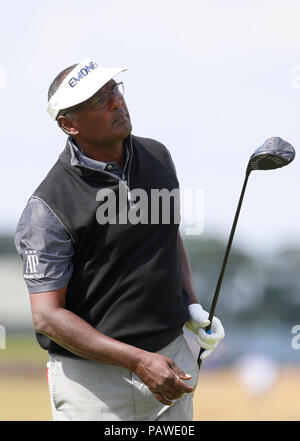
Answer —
(207, 330)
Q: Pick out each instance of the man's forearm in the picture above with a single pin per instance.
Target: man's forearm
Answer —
(186, 271)
(159, 373)
(76, 335)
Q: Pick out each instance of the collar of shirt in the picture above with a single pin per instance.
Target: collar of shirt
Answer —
(111, 167)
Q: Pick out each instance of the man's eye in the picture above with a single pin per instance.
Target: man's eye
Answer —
(100, 101)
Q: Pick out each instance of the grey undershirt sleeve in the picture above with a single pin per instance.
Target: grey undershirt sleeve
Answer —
(45, 248)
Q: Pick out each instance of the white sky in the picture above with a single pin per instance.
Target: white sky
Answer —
(212, 80)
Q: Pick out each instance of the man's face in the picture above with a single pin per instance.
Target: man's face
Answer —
(103, 118)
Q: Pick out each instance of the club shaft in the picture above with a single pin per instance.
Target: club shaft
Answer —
(225, 259)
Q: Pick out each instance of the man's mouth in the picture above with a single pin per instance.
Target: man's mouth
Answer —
(120, 118)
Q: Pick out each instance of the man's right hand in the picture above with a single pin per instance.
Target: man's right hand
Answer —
(163, 377)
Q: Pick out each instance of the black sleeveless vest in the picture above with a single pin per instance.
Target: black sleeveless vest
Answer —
(126, 279)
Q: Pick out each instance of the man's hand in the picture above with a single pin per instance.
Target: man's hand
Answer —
(163, 377)
(199, 320)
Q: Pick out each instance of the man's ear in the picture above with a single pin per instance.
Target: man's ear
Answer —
(68, 125)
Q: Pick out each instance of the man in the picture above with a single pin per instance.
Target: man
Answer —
(109, 299)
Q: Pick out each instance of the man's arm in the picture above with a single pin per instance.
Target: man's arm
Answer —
(50, 317)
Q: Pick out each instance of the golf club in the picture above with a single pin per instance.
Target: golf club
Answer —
(274, 153)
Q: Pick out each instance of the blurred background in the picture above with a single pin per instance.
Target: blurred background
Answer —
(211, 80)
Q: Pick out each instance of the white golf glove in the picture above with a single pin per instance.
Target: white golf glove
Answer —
(198, 320)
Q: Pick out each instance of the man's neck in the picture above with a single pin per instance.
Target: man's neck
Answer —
(104, 153)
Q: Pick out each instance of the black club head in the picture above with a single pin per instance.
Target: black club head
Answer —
(274, 153)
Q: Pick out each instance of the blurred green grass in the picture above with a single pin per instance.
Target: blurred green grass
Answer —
(23, 381)
(219, 395)
(23, 349)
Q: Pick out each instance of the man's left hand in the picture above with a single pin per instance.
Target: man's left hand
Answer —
(199, 320)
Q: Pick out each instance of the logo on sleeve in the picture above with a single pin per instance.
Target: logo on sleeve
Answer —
(31, 263)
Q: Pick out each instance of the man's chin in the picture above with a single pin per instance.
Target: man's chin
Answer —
(126, 131)
(121, 134)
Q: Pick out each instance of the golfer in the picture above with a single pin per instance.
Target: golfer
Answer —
(110, 289)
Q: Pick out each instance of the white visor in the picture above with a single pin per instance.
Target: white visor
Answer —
(79, 85)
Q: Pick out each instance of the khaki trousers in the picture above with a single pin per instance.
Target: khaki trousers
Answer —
(83, 390)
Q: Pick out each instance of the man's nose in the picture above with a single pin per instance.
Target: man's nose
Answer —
(115, 102)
